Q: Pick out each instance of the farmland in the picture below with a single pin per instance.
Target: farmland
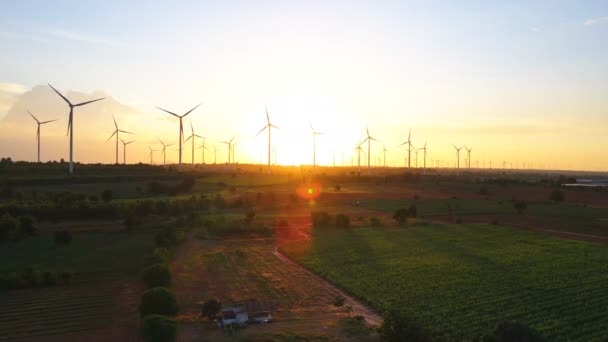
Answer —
(460, 280)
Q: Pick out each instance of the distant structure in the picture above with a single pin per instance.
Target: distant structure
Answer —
(469, 156)
(268, 126)
(457, 155)
(314, 147)
(229, 143)
(70, 124)
(181, 130)
(38, 131)
(369, 139)
(124, 150)
(409, 148)
(165, 151)
(192, 136)
(424, 163)
(116, 132)
(203, 148)
(151, 154)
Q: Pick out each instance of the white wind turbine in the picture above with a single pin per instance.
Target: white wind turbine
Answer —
(457, 155)
(314, 147)
(384, 150)
(229, 143)
(369, 139)
(203, 147)
(268, 126)
(423, 148)
(124, 150)
(151, 154)
(192, 136)
(38, 131)
(468, 156)
(165, 151)
(116, 132)
(359, 150)
(181, 129)
(409, 148)
(71, 123)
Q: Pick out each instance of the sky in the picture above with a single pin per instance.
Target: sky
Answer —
(517, 81)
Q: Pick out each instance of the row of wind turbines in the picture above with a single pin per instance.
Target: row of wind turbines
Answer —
(231, 144)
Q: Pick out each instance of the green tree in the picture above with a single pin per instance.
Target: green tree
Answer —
(159, 328)
(158, 301)
(398, 326)
(156, 275)
(211, 308)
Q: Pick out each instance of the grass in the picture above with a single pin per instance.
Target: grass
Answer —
(89, 254)
(460, 280)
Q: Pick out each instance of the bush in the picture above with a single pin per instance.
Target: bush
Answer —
(158, 301)
(211, 308)
(159, 328)
(62, 237)
(342, 221)
(557, 196)
(106, 195)
(8, 228)
(339, 301)
(413, 211)
(512, 331)
(401, 216)
(156, 275)
(27, 225)
(520, 207)
(166, 237)
(397, 326)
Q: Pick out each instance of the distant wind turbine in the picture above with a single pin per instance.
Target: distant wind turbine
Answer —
(71, 123)
(151, 154)
(268, 126)
(165, 151)
(181, 130)
(369, 139)
(124, 150)
(192, 136)
(314, 147)
(359, 149)
(423, 148)
(384, 150)
(116, 131)
(203, 147)
(215, 155)
(409, 148)
(457, 155)
(469, 156)
(38, 131)
(229, 143)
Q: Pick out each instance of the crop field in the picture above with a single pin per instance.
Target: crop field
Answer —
(460, 280)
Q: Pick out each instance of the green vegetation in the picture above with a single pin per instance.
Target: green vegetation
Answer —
(459, 281)
(156, 275)
(158, 301)
(159, 328)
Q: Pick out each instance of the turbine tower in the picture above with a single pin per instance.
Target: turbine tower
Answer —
(314, 147)
(359, 149)
(215, 155)
(203, 147)
(229, 143)
(424, 148)
(192, 136)
(469, 156)
(181, 130)
(124, 150)
(165, 151)
(409, 148)
(268, 126)
(38, 131)
(369, 139)
(116, 131)
(71, 123)
(151, 154)
(457, 155)
(384, 150)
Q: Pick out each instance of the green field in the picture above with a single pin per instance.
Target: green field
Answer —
(460, 280)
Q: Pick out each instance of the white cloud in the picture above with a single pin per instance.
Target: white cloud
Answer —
(596, 21)
(65, 34)
(9, 92)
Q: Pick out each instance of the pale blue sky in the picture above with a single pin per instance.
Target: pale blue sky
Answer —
(429, 63)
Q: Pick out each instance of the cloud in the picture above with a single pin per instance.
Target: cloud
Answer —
(9, 93)
(596, 21)
(65, 34)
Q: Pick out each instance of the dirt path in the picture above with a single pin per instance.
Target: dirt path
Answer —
(372, 317)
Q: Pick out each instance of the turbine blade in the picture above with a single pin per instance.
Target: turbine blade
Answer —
(45, 122)
(58, 93)
(267, 116)
(166, 111)
(188, 138)
(132, 141)
(115, 124)
(273, 126)
(69, 125)
(33, 117)
(120, 130)
(262, 130)
(190, 111)
(87, 102)
(112, 135)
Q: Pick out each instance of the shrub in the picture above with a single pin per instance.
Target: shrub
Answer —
(557, 196)
(512, 331)
(159, 328)
(398, 326)
(401, 216)
(342, 221)
(8, 228)
(166, 237)
(413, 211)
(211, 308)
(158, 300)
(62, 237)
(162, 254)
(339, 301)
(156, 275)
(27, 225)
(520, 207)
(106, 195)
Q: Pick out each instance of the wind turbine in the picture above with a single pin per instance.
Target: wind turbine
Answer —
(116, 131)
(71, 123)
(314, 147)
(124, 150)
(193, 135)
(409, 148)
(469, 155)
(229, 143)
(38, 131)
(384, 150)
(165, 151)
(181, 130)
(203, 147)
(151, 154)
(215, 155)
(268, 126)
(234, 152)
(458, 155)
(369, 139)
(423, 148)
(359, 149)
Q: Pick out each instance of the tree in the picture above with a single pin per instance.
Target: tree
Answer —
(156, 275)
(158, 301)
(211, 308)
(159, 328)
(106, 195)
(557, 195)
(401, 216)
(398, 326)
(513, 331)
